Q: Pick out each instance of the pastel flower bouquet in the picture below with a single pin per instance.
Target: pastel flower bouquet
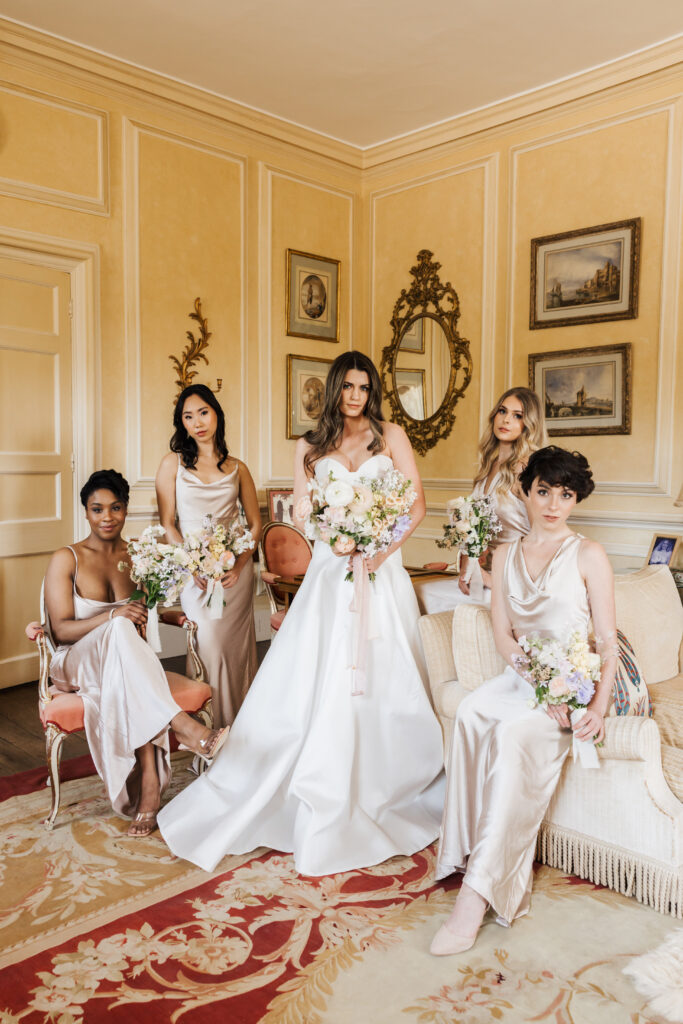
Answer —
(211, 552)
(472, 524)
(160, 571)
(562, 672)
(363, 517)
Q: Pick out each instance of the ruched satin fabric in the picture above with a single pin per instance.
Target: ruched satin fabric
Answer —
(340, 781)
(126, 699)
(227, 646)
(506, 757)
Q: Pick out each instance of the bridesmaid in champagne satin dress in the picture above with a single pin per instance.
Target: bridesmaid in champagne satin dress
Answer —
(127, 704)
(506, 756)
(514, 430)
(201, 478)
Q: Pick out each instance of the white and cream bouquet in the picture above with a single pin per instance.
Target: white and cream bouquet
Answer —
(562, 672)
(364, 516)
(211, 552)
(472, 524)
(160, 572)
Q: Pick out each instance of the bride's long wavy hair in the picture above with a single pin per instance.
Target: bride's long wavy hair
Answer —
(532, 438)
(182, 443)
(327, 434)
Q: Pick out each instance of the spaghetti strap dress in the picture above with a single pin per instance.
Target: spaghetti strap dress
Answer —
(126, 699)
(227, 646)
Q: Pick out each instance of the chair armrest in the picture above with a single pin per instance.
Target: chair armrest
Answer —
(474, 649)
(44, 695)
(435, 631)
(173, 617)
(629, 738)
(436, 566)
(33, 631)
(197, 668)
(269, 577)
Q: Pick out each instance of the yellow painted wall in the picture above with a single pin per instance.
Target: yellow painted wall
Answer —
(178, 199)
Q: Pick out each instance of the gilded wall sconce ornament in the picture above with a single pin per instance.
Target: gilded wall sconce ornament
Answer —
(194, 351)
(427, 367)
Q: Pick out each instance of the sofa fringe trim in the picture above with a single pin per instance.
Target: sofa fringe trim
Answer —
(650, 883)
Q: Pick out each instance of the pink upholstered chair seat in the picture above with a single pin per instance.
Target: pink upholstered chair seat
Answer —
(277, 618)
(65, 710)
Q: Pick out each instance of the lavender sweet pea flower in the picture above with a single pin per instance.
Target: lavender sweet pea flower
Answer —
(401, 526)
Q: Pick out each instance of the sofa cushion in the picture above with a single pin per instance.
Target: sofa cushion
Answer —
(474, 650)
(672, 766)
(650, 614)
(667, 701)
(629, 694)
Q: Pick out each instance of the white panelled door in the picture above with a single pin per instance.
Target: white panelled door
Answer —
(36, 448)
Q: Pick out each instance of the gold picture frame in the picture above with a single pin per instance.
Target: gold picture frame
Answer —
(306, 378)
(280, 504)
(584, 390)
(663, 549)
(312, 305)
(585, 276)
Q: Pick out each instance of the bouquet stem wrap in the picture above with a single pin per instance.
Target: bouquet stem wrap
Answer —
(153, 638)
(361, 636)
(214, 599)
(583, 751)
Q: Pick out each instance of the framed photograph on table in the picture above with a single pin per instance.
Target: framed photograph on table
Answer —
(280, 502)
(410, 388)
(312, 296)
(584, 390)
(585, 276)
(306, 380)
(663, 549)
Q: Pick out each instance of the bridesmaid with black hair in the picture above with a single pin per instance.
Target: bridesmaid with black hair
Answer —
(197, 477)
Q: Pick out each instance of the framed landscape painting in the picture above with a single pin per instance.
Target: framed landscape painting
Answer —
(312, 296)
(306, 380)
(585, 276)
(584, 390)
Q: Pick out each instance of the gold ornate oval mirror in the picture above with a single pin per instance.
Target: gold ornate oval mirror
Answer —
(428, 366)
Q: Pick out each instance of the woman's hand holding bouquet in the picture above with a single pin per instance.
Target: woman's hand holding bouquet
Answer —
(161, 571)
(211, 553)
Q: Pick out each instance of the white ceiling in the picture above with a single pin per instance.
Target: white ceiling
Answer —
(362, 71)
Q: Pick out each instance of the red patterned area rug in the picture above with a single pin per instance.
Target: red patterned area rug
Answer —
(96, 927)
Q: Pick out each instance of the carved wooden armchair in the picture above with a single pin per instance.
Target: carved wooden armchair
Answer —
(62, 714)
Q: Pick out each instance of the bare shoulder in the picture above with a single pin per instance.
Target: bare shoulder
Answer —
(169, 462)
(62, 561)
(394, 436)
(302, 449)
(591, 552)
(500, 554)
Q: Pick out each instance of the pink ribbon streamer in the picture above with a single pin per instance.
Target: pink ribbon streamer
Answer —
(359, 606)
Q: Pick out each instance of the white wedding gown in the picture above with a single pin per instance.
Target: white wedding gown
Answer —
(340, 781)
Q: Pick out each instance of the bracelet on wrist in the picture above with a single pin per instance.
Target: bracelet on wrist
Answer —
(111, 613)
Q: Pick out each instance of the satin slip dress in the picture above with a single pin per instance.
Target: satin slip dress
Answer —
(444, 594)
(126, 699)
(227, 646)
(506, 757)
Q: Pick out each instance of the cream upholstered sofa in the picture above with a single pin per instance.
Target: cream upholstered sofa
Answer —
(622, 826)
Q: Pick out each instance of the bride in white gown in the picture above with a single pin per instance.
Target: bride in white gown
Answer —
(340, 781)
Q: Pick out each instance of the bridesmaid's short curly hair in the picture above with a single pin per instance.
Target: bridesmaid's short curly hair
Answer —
(105, 480)
(558, 468)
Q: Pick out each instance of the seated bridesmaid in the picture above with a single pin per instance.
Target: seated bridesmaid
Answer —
(506, 757)
(103, 656)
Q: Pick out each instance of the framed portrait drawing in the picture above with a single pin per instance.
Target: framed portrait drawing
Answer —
(413, 339)
(584, 390)
(280, 502)
(312, 296)
(663, 549)
(410, 388)
(306, 379)
(585, 276)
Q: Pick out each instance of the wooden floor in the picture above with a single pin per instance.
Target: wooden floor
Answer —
(22, 740)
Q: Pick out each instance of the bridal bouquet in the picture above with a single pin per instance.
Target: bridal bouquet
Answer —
(472, 524)
(211, 552)
(363, 517)
(562, 672)
(160, 570)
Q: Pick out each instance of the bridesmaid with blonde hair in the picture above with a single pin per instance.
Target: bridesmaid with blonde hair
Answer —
(198, 477)
(515, 430)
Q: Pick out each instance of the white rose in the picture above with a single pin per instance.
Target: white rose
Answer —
(338, 494)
